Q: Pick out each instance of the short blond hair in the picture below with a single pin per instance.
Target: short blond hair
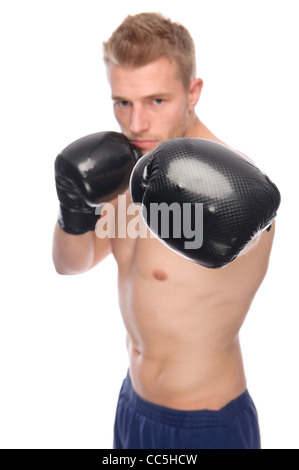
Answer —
(145, 37)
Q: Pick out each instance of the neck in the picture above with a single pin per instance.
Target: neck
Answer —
(196, 128)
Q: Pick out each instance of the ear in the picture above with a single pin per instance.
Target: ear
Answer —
(195, 92)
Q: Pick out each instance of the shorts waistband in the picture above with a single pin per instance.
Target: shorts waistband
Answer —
(196, 418)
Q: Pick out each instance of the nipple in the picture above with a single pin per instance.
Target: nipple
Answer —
(159, 275)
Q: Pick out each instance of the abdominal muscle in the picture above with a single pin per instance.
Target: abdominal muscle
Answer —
(187, 384)
(182, 340)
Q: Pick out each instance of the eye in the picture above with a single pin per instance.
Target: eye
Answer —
(158, 101)
(122, 104)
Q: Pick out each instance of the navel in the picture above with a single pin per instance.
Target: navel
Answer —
(159, 275)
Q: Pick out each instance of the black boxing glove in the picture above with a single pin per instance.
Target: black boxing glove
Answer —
(89, 172)
(237, 200)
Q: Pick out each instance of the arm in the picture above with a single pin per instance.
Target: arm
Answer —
(75, 254)
(89, 172)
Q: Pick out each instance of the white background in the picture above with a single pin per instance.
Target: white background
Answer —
(62, 342)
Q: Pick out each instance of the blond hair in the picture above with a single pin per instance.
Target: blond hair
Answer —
(145, 37)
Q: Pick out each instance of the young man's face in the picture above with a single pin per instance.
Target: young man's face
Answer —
(150, 102)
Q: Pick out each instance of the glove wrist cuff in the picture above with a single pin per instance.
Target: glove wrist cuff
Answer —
(77, 223)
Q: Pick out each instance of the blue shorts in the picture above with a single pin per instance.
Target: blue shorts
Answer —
(140, 424)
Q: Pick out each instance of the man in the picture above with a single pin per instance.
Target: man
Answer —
(186, 386)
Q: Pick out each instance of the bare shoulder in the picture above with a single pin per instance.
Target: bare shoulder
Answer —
(204, 133)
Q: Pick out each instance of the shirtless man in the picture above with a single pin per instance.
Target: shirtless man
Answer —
(186, 386)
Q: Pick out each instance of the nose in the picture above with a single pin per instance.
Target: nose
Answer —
(139, 120)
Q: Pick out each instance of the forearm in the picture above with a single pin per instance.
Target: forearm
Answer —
(89, 172)
(73, 254)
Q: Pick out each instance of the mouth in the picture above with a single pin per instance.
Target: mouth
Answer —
(144, 144)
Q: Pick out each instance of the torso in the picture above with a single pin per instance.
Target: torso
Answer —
(183, 320)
